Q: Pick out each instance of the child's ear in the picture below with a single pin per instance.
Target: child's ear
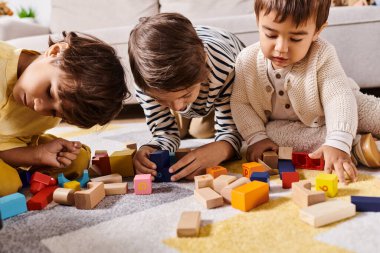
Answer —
(56, 49)
(316, 35)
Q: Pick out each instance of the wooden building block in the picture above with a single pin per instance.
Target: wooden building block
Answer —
(162, 160)
(327, 212)
(203, 181)
(208, 197)
(288, 178)
(39, 181)
(12, 205)
(121, 162)
(285, 153)
(301, 160)
(271, 159)
(113, 178)
(327, 183)
(249, 168)
(303, 196)
(216, 171)
(267, 168)
(74, 185)
(260, 176)
(285, 166)
(189, 224)
(181, 152)
(250, 195)
(172, 158)
(116, 188)
(62, 179)
(377, 183)
(64, 196)
(131, 145)
(222, 181)
(366, 204)
(41, 199)
(226, 191)
(101, 162)
(142, 184)
(84, 179)
(88, 199)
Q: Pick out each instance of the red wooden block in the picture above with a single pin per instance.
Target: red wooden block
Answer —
(102, 163)
(41, 199)
(288, 178)
(39, 181)
(301, 160)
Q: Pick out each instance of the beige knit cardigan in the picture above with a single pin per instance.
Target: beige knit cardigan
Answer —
(318, 89)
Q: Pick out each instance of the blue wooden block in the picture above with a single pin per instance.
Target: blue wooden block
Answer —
(12, 205)
(25, 177)
(366, 204)
(173, 159)
(160, 158)
(62, 180)
(285, 166)
(83, 180)
(163, 175)
(260, 176)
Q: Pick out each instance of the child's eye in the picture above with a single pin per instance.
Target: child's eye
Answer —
(271, 36)
(296, 40)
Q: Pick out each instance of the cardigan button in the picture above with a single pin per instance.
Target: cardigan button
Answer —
(268, 88)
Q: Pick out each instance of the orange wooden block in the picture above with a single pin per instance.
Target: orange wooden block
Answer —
(216, 171)
(249, 168)
(250, 195)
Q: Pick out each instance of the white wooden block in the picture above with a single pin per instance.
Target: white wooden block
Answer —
(189, 224)
(327, 212)
(64, 196)
(222, 181)
(203, 181)
(285, 153)
(116, 188)
(208, 197)
(113, 178)
(226, 191)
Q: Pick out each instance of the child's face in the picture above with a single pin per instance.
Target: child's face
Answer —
(37, 87)
(284, 43)
(176, 100)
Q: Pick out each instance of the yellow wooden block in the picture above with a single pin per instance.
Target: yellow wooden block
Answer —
(250, 195)
(75, 185)
(327, 183)
(121, 162)
(249, 168)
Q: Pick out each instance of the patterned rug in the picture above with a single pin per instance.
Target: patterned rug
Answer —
(136, 223)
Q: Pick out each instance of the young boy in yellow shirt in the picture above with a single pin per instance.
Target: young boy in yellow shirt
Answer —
(292, 74)
(79, 79)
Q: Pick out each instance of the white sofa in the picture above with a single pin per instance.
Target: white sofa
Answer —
(355, 31)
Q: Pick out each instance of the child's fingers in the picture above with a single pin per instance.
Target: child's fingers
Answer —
(68, 155)
(142, 169)
(350, 170)
(186, 160)
(328, 167)
(185, 172)
(64, 162)
(338, 167)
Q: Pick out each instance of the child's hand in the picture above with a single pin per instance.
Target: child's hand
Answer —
(336, 160)
(141, 161)
(196, 161)
(58, 153)
(256, 150)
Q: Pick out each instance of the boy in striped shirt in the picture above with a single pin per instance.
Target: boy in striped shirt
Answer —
(184, 77)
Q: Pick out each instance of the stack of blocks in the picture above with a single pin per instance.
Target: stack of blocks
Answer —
(285, 160)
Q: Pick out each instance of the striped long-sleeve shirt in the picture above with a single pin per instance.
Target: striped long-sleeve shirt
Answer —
(222, 49)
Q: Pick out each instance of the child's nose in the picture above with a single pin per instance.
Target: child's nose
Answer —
(177, 105)
(281, 45)
(40, 106)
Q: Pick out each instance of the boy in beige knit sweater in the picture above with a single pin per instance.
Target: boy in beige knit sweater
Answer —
(292, 74)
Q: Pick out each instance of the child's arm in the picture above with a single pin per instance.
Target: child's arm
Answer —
(57, 153)
(341, 114)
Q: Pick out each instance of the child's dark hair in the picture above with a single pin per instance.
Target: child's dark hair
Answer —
(166, 53)
(299, 10)
(94, 85)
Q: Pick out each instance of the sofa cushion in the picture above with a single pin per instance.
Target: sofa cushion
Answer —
(196, 9)
(92, 14)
